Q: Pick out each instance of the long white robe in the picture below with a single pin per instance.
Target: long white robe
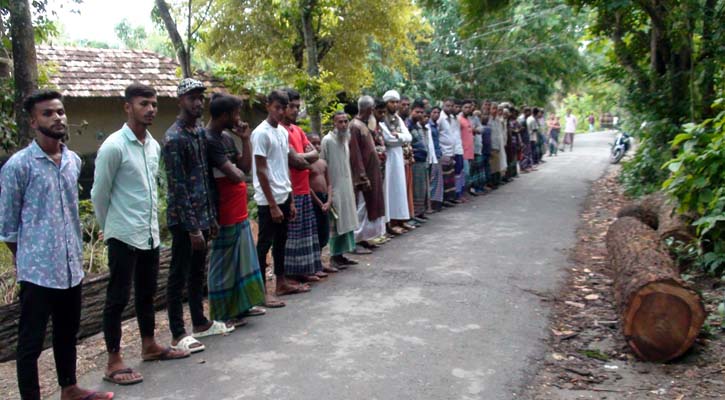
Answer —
(396, 189)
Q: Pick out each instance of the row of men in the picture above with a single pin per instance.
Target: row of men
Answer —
(368, 176)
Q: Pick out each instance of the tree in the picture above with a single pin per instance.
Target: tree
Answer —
(197, 12)
(183, 54)
(25, 67)
(134, 37)
(283, 41)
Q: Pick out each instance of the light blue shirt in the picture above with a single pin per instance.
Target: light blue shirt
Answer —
(39, 212)
(124, 192)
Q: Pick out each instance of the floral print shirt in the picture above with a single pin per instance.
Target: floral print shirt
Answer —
(189, 195)
(39, 212)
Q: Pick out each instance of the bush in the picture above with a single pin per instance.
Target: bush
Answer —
(643, 174)
(697, 181)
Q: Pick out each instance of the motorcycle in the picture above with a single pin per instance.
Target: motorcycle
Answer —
(620, 147)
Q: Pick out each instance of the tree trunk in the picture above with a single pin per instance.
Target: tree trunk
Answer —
(25, 66)
(708, 57)
(183, 54)
(661, 215)
(313, 70)
(660, 315)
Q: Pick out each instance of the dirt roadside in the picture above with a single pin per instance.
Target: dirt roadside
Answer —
(588, 357)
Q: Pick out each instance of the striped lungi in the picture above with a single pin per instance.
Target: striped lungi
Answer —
(421, 188)
(460, 175)
(436, 183)
(302, 251)
(235, 280)
(476, 173)
(448, 166)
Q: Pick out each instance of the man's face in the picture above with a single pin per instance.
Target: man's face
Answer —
(142, 110)
(292, 111)
(379, 114)
(276, 111)
(467, 109)
(392, 106)
(486, 108)
(315, 141)
(435, 114)
(506, 113)
(494, 111)
(235, 119)
(193, 103)
(426, 117)
(416, 114)
(340, 122)
(405, 106)
(448, 107)
(456, 108)
(49, 118)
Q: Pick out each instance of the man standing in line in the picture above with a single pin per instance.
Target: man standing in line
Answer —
(421, 184)
(435, 158)
(532, 127)
(272, 192)
(396, 135)
(335, 151)
(40, 224)
(366, 177)
(477, 180)
(497, 146)
(570, 129)
(404, 110)
(236, 285)
(125, 201)
(449, 134)
(467, 145)
(302, 251)
(190, 216)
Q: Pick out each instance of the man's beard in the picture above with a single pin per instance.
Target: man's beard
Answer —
(51, 134)
(343, 134)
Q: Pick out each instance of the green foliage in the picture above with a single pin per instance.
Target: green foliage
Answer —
(7, 120)
(697, 181)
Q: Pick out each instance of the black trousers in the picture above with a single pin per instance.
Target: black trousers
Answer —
(37, 305)
(187, 268)
(272, 235)
(323, 221)
(129, 264)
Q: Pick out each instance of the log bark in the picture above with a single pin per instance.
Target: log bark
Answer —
(660, 315)
(660, 214)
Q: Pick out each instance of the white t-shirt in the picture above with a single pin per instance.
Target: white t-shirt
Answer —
(570, 126)
(273, 144)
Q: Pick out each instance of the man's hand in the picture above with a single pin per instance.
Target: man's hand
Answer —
(326, 207)
(242, 131)
(197, 240)
(277, 215)
(364, 185)
(214, 230)
(292, 211)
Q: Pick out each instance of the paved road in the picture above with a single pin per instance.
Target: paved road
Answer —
(445, 312)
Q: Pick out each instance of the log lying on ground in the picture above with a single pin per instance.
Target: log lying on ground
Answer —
(661, 316)
(660, 214)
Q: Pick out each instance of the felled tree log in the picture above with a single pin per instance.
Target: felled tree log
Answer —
(660, 315)
(661, 215)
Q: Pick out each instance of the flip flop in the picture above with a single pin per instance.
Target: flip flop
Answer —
(331, 270)
(165, 355)
(294, 290)
(361, 251)
(274, 303)
(321, 274)
(99, 396)
(216, 328)
(112, 378)
(255, 312)
(236, 322)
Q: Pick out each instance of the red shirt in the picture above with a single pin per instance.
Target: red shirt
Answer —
(466, 137)
(300, 178)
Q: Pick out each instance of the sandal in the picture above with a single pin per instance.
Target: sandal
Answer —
(113, 378)
(330, 269)
(271, 303)
(216, 328)
(188, 343)
(254, 312)
(321, 274)
(360, 250)
(166, 355)
(99, 396)
(294, 290)
(236, 322)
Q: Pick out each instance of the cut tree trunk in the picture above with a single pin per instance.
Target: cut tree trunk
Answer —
(661, 215)
(25, 65)
(660, 315)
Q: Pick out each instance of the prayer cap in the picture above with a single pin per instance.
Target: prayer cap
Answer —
(391, 95)
(187, 85)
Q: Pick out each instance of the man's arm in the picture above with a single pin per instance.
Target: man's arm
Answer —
(357, 166)
(295, 160)
(12, 189)
(218, 159)
(108, 161)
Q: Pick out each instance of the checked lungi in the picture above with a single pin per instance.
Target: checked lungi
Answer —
(302, 251)
(436, 183)
(448, 166)
(421, 188)
(477, 174)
